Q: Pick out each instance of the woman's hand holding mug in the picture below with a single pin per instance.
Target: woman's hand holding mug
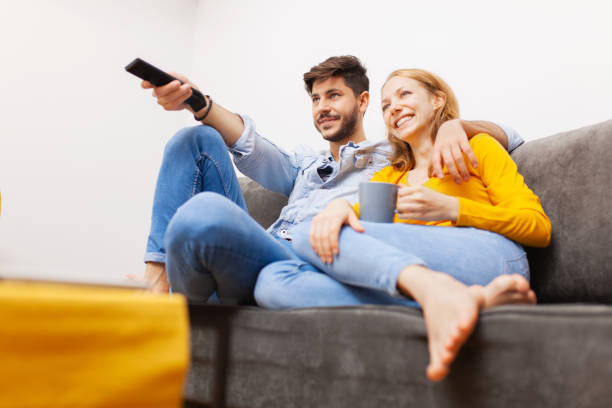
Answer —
(425, 204)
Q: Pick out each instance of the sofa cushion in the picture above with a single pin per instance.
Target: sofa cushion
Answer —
(375, 356)
(572, 174)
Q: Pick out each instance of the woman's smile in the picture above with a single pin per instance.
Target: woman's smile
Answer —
(403, 119)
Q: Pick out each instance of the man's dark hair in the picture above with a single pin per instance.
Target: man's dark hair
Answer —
(346, 66)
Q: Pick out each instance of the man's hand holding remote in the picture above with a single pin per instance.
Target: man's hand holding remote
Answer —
(173, 95)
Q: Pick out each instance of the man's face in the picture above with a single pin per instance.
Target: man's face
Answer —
(335, 109)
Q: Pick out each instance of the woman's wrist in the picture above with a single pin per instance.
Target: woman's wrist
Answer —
(453, 208)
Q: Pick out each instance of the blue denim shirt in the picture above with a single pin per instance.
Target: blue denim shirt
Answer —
(312, 179)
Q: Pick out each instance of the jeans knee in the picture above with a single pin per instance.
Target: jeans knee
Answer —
(264, 288)
(271, 287)
(202, 217)
(201, 137)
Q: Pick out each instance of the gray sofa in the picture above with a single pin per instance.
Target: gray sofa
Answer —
(555, 354)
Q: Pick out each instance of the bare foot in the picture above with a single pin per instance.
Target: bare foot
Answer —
(450, 309)
(507, 289)
(155, 277)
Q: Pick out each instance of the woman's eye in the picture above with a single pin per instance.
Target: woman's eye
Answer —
(404, 93)
(385, 107)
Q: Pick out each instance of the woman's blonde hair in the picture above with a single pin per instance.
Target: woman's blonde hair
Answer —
(403, 158)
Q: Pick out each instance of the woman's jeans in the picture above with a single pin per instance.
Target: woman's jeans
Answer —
(372, 261)
(200, 227)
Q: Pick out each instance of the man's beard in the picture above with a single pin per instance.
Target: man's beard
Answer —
(346, 129)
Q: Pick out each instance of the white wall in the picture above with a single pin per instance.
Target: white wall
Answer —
(80, 143)
(540, 66)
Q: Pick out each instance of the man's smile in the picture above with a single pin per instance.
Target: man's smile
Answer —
(327, 121)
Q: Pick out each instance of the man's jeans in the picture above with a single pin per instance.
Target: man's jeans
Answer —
(200, 226)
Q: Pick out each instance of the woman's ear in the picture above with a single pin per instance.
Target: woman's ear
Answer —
(438, 100)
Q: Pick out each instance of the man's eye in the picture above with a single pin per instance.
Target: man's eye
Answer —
(334, 96)
(315, 100)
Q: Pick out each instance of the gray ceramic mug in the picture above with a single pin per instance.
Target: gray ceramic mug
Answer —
(377, 201)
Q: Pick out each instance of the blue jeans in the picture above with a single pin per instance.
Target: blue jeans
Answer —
(368, 264)
(200, 226)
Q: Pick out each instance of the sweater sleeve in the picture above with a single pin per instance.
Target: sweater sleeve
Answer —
(515, 211)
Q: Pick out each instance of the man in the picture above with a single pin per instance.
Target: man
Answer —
(201, 236)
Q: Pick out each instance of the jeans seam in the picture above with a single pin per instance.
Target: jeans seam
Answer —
(232, 251)
(508, 262)
(238, 252)
(185, 266)
(217, 167)
(224, 251)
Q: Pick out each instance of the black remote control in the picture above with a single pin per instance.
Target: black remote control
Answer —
(157, 77)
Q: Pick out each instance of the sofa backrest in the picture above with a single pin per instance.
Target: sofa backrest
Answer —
(571, 172)
(263, 205)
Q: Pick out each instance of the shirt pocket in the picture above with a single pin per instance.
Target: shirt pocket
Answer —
(371, 159)
(307, 178)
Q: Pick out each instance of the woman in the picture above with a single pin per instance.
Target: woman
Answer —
(451, 272)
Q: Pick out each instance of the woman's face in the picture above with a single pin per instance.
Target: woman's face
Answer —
(408, 107)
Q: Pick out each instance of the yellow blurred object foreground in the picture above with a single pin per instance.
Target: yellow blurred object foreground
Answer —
(83, 346)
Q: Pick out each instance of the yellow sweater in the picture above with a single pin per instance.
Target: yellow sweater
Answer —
(495, 198)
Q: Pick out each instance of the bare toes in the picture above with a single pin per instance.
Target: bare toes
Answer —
(520, 283)
(532, 297)
(436, 372)
(437, 356)
(503, 283)
(516, 297)
(452, 341)
(508, 289)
